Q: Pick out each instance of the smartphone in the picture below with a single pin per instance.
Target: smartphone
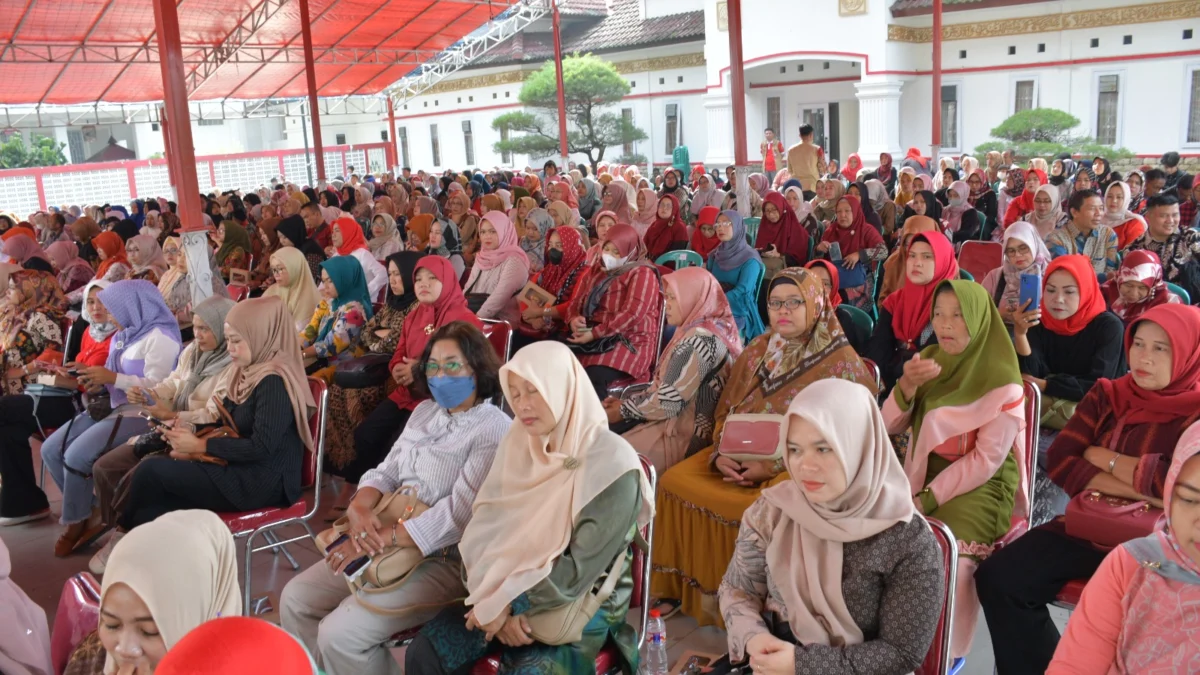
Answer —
(1031, 291)
(73, 372)
(835, 252)
(356, 567)
(154, 421)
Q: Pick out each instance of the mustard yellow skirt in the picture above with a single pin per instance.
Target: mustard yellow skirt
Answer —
(696, 526)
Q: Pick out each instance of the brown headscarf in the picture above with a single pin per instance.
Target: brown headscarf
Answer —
(894, 267)
(420, 225)
(84, 228)
(269, 329)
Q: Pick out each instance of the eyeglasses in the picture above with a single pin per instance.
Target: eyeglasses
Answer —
(278, 270)
(451, 368)
(790, 303)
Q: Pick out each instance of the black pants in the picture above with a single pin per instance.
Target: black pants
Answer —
(602, 376)
(161, 485)
(20, 495)
(420, 658)
(1016, 583)
(374, 438)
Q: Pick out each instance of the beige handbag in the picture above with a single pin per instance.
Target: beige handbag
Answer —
(389, 569)
(564, 625)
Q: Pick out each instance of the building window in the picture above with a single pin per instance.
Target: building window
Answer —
(1023, 99)
(210, 123)
(1193, 129)
(383, 135)
(950, 116)
(773, 121)
(627, 118)
(505, 156)
(1108, 99)
(469, 142)
(433, 141)
(339, 139)
(403, 133)
(674, 127)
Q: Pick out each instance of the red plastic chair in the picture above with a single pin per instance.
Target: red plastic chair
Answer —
(618, 387)
(1033, 415)
(937, 660)
(238, 293)
(980, 257)
(1068, 597)
(609, 659)
(251, 524)
(78, 615)
(499, 334)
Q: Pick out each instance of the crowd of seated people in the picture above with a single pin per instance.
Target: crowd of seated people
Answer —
(177, 402)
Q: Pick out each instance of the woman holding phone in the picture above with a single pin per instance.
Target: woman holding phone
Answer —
(850, 242)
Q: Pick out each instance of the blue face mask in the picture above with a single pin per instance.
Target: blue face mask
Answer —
(450, 392)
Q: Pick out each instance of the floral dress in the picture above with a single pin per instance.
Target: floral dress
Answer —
(332, 332)
(41, 332)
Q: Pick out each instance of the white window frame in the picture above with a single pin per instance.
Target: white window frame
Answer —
(958, 109)
(678, 103)
(1012, 90)
(1188, 69)
(1094, 107)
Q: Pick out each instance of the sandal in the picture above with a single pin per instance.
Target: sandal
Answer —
(667, 607)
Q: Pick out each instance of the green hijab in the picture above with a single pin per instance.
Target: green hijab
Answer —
(988, 362)
(348, 278)
(235, 237)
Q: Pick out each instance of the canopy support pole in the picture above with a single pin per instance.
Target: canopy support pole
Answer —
(310, 73)
(562, 96)
(393, 152)
(937, 84)
(181, 153)
(168, 149)
(737, 96)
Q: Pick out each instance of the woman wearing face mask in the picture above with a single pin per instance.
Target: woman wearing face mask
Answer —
(587, 521)
(144, 610)
(501, 270)
(666, 231)
(349, 241)
(739, 269)
(536, 226)
(1119, 442)
(444, 453)
(1025, 186)
(1047, 213)
(562, 275)
(860, 245)
(962, 399)
(338, 320)
(617, 308)
(706, 494)
(1135, 603)
(704, 238)
(782, 241)
(188, 394)
(294, 234)
(1137, 286)
(904, 326)
(673, 418)
(959, 219)
(1128, 225)
(847, 500)
(1024, 253)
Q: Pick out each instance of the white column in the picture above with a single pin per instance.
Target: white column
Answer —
(195, 248)
(718, 108)
(878, 117)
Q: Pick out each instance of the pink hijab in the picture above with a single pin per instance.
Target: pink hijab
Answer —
(509, 248)
(24, 634)
(620, 204)
(703, 305)
(645, 216)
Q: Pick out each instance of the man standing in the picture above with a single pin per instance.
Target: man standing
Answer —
(1178, 250)
(806, 161)
(771, 150)
(1085, 234)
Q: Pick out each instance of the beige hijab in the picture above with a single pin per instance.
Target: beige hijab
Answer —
(269, 329)
(544, 480)
(183, 566)
(300, 293)
(804, 557)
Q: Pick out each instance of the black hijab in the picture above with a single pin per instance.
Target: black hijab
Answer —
(293, 228)
(127, 229)
(868, 208)
(406, 262)
(933, 208)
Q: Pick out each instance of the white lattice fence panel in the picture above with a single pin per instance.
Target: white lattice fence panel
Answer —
(245, 173)
(295, 168)
(87, 187)
(203, 179)
(153, 181)
(19, 195)
(377, 160)
(358, 160)
(333, 165)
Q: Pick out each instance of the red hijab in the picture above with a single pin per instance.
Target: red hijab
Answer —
(554, 277)
(835, 298)
(662, 232)
(1091, 300)
(352, 235)
(700, 243)
(787, 234)
(1132, 404)
(860, 235)
(1025, 199)
(1143, 267)
(853, 165)
(114, 251)
(912, 305)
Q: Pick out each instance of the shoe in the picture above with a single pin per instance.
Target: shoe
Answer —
(100, 561)
(17, 520)
(69, 539)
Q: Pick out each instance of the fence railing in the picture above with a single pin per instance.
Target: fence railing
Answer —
(24, 191)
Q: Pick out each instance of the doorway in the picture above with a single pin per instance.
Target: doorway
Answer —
(818, 116)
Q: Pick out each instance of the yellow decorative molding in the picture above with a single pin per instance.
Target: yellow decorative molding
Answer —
(852, 7)
(511, 77)
(518, 76)
(1094, 18)
(660, 63)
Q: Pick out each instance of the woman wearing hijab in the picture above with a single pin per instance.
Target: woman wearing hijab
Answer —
(143, 352)
(782, 241)
(793, 193)
(30, 325)
(144, 610)
(705, 194)
(885, 174)
(1139, 597)
(962, 399)
(268, 236)
(704, 238)
(883, 208)
(349, 241)
(1137, 286)
(248, 647)
(853, 166)
(904, 326)
(959, 219)
(561, 214)
(1062, 171)
(524, 206)
(647, 212)
(586, 522)
(84, 230)
(174, 284)
(340, 316)
(189, 394)
(565, 265)
(458, 211)
(805, 344)
(536, 227)
(501, 269)
(589, 198)
(827, 198)
(24, 251)
(895, 268)
(667, 231)
(385, 236)
(234, 248)
(293, 284)
(293, 233)
(672, 419)
(1024, 185)
(980, 196)
(1136, 182)
(861, 192)
(904, 186)
(24, 634)
(146, 258)
(1024, 253)
(616, 200)
(1128, 225)
(1047, 211)
(786, 604)
(1120, 443)
(861, 246)
(125, 228)
(72, 271)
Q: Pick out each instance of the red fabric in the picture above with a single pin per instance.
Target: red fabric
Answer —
(629, 307)
(552, 277)
(700, 243)
(853, 165)
(352, 235)
(788, 234)
(859, 236)
(1023, 203)
(835, 298)
(423, 321)
(113, 247)
(911, 307)
(1142, 266)
(1091, 300)
(915, 153)
(92, 353)
(1135, 405)
(323, 235)
(248, 646)
(662, 233)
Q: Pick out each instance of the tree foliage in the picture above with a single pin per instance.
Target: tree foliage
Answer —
(590, 85)
(44, 151)
(1045, 132)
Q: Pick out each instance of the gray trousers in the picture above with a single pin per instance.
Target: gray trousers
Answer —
(347, 638)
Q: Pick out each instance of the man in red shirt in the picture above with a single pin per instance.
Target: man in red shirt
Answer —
(772, 153)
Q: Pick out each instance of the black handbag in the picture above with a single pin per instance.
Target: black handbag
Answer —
(475, 301)
(99, 406)
(149, 443)
(363, 372)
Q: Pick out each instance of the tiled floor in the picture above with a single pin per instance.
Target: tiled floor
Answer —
(41, 575)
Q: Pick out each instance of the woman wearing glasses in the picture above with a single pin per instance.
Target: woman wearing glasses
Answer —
(706, 494)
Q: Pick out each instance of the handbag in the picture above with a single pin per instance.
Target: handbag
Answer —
(851, 277)
(99, 406)
(753, 438)
(363, 372)
(1056, 412)
(226, 428)
(564, 625)
(1108, 521)
(390, 568)
(475, 301)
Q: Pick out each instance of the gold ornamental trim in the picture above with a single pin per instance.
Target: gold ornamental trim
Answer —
(1095, 18)
(518, 76)
(852, 7)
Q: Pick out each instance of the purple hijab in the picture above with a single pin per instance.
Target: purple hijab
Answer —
(138, 307)
(732, 254)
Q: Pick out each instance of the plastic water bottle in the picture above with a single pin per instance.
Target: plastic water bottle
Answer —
(654, 652)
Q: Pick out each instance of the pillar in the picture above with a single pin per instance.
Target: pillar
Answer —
(878, 117)
(310, 74)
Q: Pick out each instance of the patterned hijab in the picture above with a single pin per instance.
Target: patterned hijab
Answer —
(1143, 267)
(561, 277)
(702, 304)
(138, 307)
(1028, 235)
(41, 295)
(536, 250)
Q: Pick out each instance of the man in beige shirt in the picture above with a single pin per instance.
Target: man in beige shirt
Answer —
(806, 161)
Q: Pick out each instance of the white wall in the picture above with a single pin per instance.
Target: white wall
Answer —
(656, 8)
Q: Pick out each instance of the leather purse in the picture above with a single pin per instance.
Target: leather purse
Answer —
(363, 372)
(753, 438)
(1108, 521)
(564, 625)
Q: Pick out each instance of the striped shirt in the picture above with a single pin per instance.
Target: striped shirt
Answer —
(446, 457)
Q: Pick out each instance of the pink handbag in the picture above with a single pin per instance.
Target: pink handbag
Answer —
(753, 438)
(1109, 521)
